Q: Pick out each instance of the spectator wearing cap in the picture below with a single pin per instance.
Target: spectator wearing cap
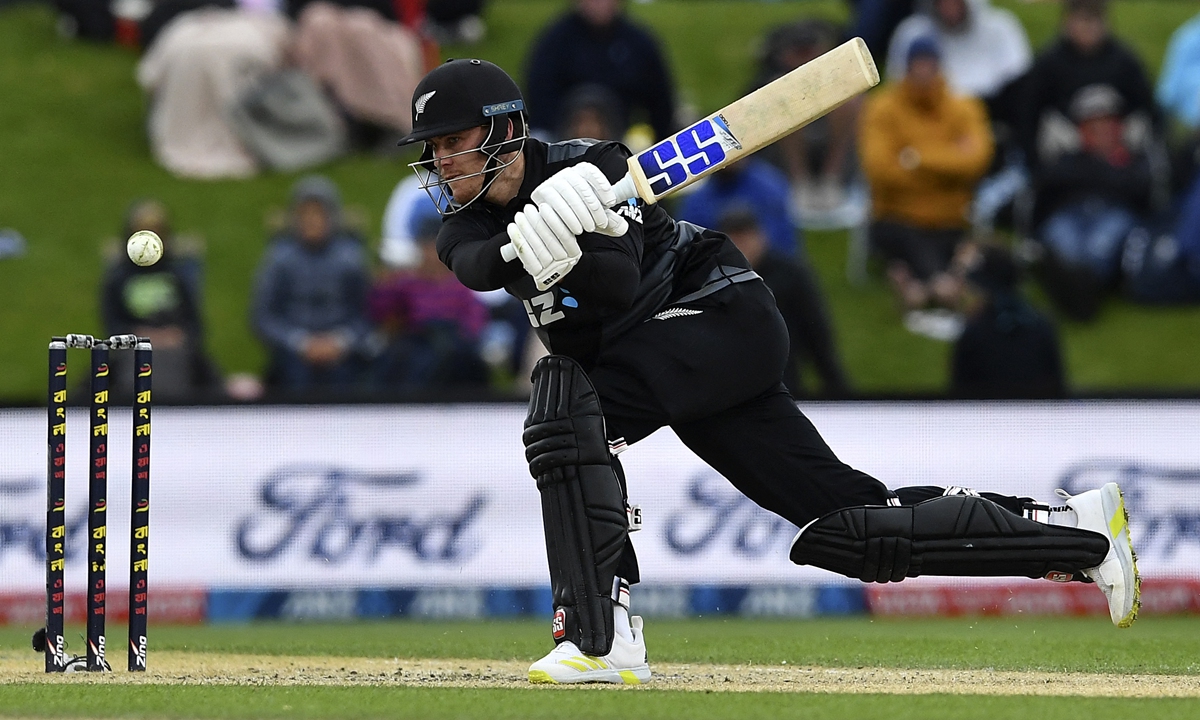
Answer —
(923, 149)
(984, 50)
(1085, 54)
(597, 44)
(800, 303)
(1089, 127)
(1092, 195)
(430, 322)
(1007, 348)
(309, 304)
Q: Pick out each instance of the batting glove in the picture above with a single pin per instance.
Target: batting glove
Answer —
(577, 199)
(547, 253)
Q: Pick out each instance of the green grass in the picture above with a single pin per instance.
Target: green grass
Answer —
(554, 704)
(1155, 645)
(73, 155)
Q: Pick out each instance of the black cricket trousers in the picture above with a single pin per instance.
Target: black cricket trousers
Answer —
(715, 377)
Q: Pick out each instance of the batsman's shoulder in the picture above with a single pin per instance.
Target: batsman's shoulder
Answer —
(611, 157)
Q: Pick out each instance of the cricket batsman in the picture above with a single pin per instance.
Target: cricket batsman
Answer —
(653, 322)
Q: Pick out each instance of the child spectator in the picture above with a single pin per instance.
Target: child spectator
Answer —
(1007, 349)
(310, 295)
(799, 299)
(161, 302)
(923, 149)
(431, 322)
(596, 44)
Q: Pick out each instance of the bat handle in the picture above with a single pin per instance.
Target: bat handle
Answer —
(624, 189)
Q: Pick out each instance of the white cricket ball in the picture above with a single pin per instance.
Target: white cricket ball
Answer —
(145, 247)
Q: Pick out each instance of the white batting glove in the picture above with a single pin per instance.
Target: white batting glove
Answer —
(547, 253)
(577, 199)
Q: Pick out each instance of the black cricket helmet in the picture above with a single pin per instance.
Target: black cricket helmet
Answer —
(456, 96)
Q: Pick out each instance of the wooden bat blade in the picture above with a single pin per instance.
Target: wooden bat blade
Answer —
(747, 125)
(754, 121)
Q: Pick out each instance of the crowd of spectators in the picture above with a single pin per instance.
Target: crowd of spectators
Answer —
(1089, 172)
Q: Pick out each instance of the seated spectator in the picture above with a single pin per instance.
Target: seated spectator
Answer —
(984, 51)
(431, 324)
(309, 303)
(923, 149)
(408, 209)
(753, 184)
(368, 64)
(596, 44)
(1091, 197)
(819, 159)
(161, 302)
(1089, 130)
(799, 299)
(1007, 349)
(196, 68)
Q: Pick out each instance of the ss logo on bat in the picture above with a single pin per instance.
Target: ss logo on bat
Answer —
(688, 153)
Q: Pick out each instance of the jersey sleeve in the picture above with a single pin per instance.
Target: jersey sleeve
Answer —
(472, 252)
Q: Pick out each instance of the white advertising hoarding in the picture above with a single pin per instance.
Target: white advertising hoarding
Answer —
(439, 495)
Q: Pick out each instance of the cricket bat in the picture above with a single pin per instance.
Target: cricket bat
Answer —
(746, 125)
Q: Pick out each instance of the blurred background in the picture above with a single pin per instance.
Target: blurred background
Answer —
(1013, 214)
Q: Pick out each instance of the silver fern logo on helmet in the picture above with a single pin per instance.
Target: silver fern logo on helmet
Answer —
(421, 102)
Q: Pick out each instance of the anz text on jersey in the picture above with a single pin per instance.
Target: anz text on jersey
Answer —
(688, 153)
(541, 310)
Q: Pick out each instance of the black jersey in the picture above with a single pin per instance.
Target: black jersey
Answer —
(617, 283)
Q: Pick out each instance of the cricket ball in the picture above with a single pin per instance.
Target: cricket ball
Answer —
(144, 247)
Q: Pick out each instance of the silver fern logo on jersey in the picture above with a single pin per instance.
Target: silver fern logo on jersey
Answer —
(675, 312)
(419, 105)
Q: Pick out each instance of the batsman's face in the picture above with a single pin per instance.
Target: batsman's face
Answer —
(457, 155)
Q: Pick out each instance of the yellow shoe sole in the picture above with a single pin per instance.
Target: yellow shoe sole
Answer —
(1137, 576)
(541, 677)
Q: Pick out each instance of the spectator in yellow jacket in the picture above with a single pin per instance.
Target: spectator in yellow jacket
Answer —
(923, 149)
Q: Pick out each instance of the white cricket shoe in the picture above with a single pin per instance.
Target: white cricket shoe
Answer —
(1103, 511)
(625, 664)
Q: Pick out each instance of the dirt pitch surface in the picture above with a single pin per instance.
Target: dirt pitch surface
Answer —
(188, 668)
